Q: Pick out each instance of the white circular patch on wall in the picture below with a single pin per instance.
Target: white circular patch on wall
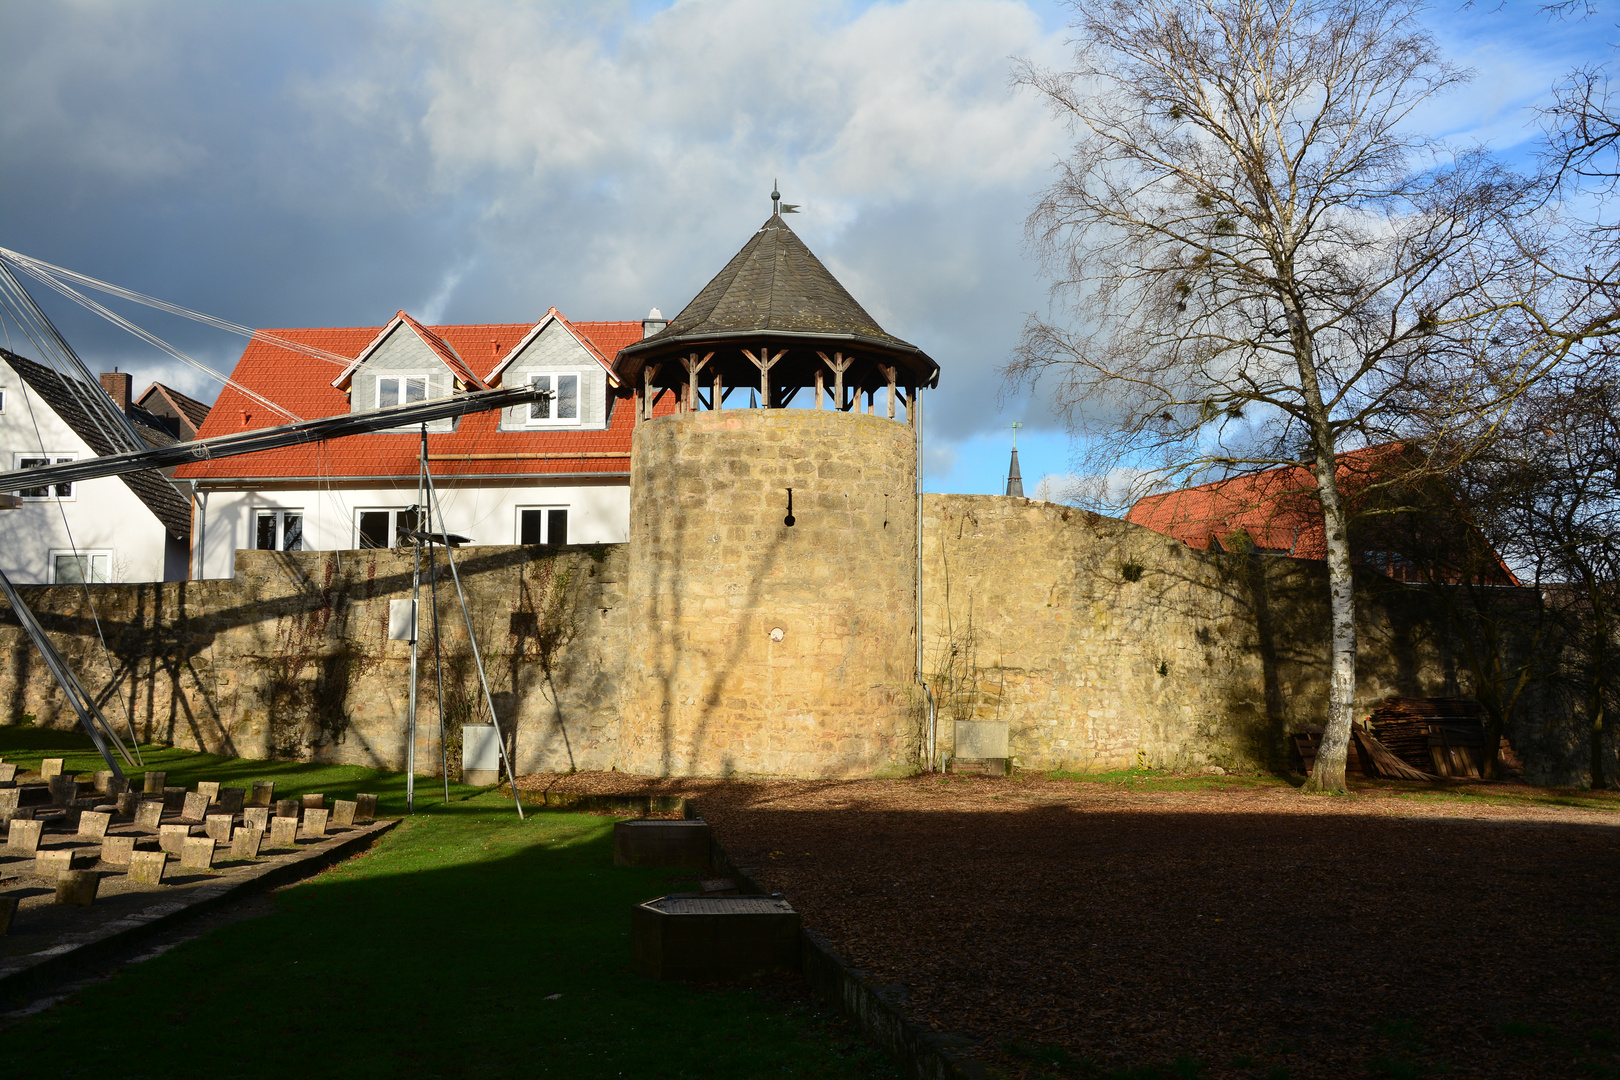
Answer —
(776, 633)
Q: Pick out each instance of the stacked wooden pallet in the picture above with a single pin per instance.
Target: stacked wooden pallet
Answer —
(1443, 736)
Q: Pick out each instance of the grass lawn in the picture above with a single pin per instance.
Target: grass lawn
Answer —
(465, 943)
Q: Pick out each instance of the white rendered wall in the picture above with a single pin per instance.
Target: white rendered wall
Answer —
(598, 513)
(102, 515)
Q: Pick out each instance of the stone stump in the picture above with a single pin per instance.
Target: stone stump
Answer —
(284, 831)
(149, 814)
(116, 850)
(287, 808)
(51, 766)
(146, 867)
(93, 824)
(219, 827)
(100, 779)
(195, 808)
(343, 813)
(77, 887)
(174, 798)
(230, 800)
(314, 801)
(245, 843)
(209, 788)
(22, 836)
(315, 822)
(128, 803)
(256, 817)
(154, 782)
(172, 838)
(8, 773)
(64, 790)
(365, 807)
(54, 863)
(264, 793)
(197, 853)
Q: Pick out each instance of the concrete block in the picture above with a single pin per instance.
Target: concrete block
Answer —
(77, 887)
(117, 785)
(283, 831)
(198, 852)
(9, 797)
(22, 836)
(661, 843)
(149, 814)
(8, 773)
(245, 843)
(53, 863)
(315, 801)
(710, 939)
(315, 822)
(153, 783)
(263, 794)
(209, 788)
(128, 803)
(195, 807)
(8, 913)
(64, 790)
(93, 824)
(101, 779)
(977, 740)
(343, 813)
(174, 798)
(51, 766)
(172, 838)
(287, 808)
(365, 808)
(116, 850)
(218, 826)
(146, 867)
(256, 817)
(230, 800)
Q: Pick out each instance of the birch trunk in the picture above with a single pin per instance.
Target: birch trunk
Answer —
(1328, 775)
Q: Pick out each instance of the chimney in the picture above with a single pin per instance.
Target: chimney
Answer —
(118, 387)
(653, 323)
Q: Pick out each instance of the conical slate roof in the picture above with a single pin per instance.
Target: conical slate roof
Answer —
(774, 288)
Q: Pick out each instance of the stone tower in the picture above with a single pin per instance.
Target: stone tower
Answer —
(773, 548)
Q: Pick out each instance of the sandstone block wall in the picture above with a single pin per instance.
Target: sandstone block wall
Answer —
(763, 647)
(1105, 645)
(291, 658)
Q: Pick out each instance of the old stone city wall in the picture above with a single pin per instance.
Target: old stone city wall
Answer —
(1100, 644)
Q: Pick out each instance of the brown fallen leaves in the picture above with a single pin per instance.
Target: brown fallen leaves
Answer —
(1078, 928)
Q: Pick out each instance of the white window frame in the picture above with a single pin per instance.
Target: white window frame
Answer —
(91, 554)
(280, 513)
(545, 520)
(52, 457)
(2, 401)
(399, 380)
(393, 513)
(531, 377)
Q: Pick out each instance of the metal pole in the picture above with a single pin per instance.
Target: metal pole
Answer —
(416, 594)
(438, 665)
(478, 660)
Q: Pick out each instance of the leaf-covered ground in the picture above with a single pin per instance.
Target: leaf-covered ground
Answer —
(1220, 928)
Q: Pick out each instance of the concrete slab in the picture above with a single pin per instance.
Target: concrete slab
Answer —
(172, 838)
(314, 801)
(116, 850)
(365, 807)
(662, 843)
(314, 822)
(53, 863)
(263, 793)
(195, 808)
(283, 831)
(230, 800)
(149, 814)
(22, 836)
(711, 939)
(93, 824)
(147, 866)
(153, 783)
(343, 812)
(51, 766)
(209, 788)
(256, 817)
(245, 843)
(77, 887)
(218, 826)
(198, 852)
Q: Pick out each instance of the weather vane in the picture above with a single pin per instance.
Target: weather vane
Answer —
(1014, 426)
(777, 206)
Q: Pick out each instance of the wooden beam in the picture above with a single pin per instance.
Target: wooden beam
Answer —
(648, 374)
(693, 366)
(764, 361)
(840, 364)
(715, 396)
(821, 386)
(889, 371)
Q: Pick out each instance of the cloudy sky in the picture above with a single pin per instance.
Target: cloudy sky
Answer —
(318, 164)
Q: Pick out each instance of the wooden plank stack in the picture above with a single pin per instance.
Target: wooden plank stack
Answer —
(1443, 736)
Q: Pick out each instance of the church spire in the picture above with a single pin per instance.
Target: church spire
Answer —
(1015, 481)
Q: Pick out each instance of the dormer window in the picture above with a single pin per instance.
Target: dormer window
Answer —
(563, 405)
(395, 390)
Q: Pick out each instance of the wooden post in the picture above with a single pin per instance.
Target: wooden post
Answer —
(821, 386)
(714, 401)
(693, 366)
(764, 361)
(648, 374)
(889, 371)
(840, 364)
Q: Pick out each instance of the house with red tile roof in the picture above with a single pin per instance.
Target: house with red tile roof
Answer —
(1275, 512)
(550, 472)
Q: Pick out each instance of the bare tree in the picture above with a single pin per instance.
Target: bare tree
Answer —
(1253, 253)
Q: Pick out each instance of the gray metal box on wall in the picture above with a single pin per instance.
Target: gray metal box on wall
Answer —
(480, 755)
(713, 938)
(662, 843)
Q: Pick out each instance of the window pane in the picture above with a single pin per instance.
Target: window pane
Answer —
(264, 537)
(292, 532)
(529, 526)
(374, 529)
(387, 393)
(568, 397)
(33, 492)
(415, 390)
(64, 491)
(540, 410)
(70, 569)
(101, 568)
(406, 522)
(556, 526)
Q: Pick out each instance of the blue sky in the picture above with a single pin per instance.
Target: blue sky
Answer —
(314, 164)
